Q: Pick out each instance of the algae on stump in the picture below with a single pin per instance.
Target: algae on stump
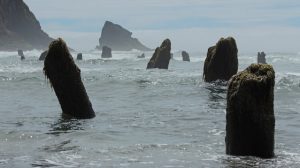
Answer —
(250, 120)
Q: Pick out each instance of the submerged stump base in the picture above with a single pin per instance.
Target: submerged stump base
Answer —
(250, 120)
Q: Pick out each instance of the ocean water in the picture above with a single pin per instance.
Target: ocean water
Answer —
(145, 118)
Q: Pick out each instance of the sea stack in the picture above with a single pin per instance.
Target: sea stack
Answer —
(261, 58)
(161, 56)
(250, 120)
(21, 54)
(119, 39)
(65, 78)
(19, 28)
(185, 56)
(221, 62)
(106, 52)
(43, 55)
(79, 56)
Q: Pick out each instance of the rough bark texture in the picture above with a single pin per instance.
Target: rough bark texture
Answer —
(185, 56)
(106, 52)
(221, 62)
(64, 76)
(250, 120)
(161, 56)
(19, 29)
(119, 39)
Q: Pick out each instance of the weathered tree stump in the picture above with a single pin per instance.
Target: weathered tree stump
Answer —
(65, 78)
(250, 120)
(221, 62)
(161, 56)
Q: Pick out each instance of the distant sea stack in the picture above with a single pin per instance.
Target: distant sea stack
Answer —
(221, 62)
(250, 120)
(161, 56)
(118, 39)
(19, 29)
(65, 78)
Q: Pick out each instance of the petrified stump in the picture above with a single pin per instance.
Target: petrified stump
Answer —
(79, 56)
(185, 56)
(43, 55)
(261, 58)
(141, 56)
(221, 62)
(161, 56)
(106, 52)
(64, 76)
(250, 117)
(21, 54)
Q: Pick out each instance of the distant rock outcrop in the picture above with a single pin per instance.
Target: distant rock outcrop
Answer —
(221, 61)
(250, 120)
(106, 52)
(119, 39)
(161, 56)
(185, 56)
(19, 29)
(43, 55)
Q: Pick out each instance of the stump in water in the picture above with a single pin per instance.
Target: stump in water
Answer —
(250, 120)
(185, 56)
(221, 62)
(43, 55)
(21, 54)
(106, 52)
(64, 76)
(261, 58)
(161, 56)
(79, 56)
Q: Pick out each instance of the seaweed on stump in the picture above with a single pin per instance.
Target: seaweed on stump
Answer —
(221, 62)
(250, 120)
(65, 78)
(161, 56)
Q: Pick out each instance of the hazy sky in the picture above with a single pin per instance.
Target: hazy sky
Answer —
(193, 25)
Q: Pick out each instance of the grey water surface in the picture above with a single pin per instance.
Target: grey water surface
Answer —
(145, 118)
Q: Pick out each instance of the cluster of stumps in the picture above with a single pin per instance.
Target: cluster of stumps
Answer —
(250, 120)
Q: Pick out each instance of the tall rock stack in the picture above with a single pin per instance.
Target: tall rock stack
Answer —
(161, 56)
(221, 62)
(19, 29)
(119, 39)
(250, 120)
(65, 78)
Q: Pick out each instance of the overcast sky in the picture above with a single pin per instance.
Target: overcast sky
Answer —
(193, 25)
